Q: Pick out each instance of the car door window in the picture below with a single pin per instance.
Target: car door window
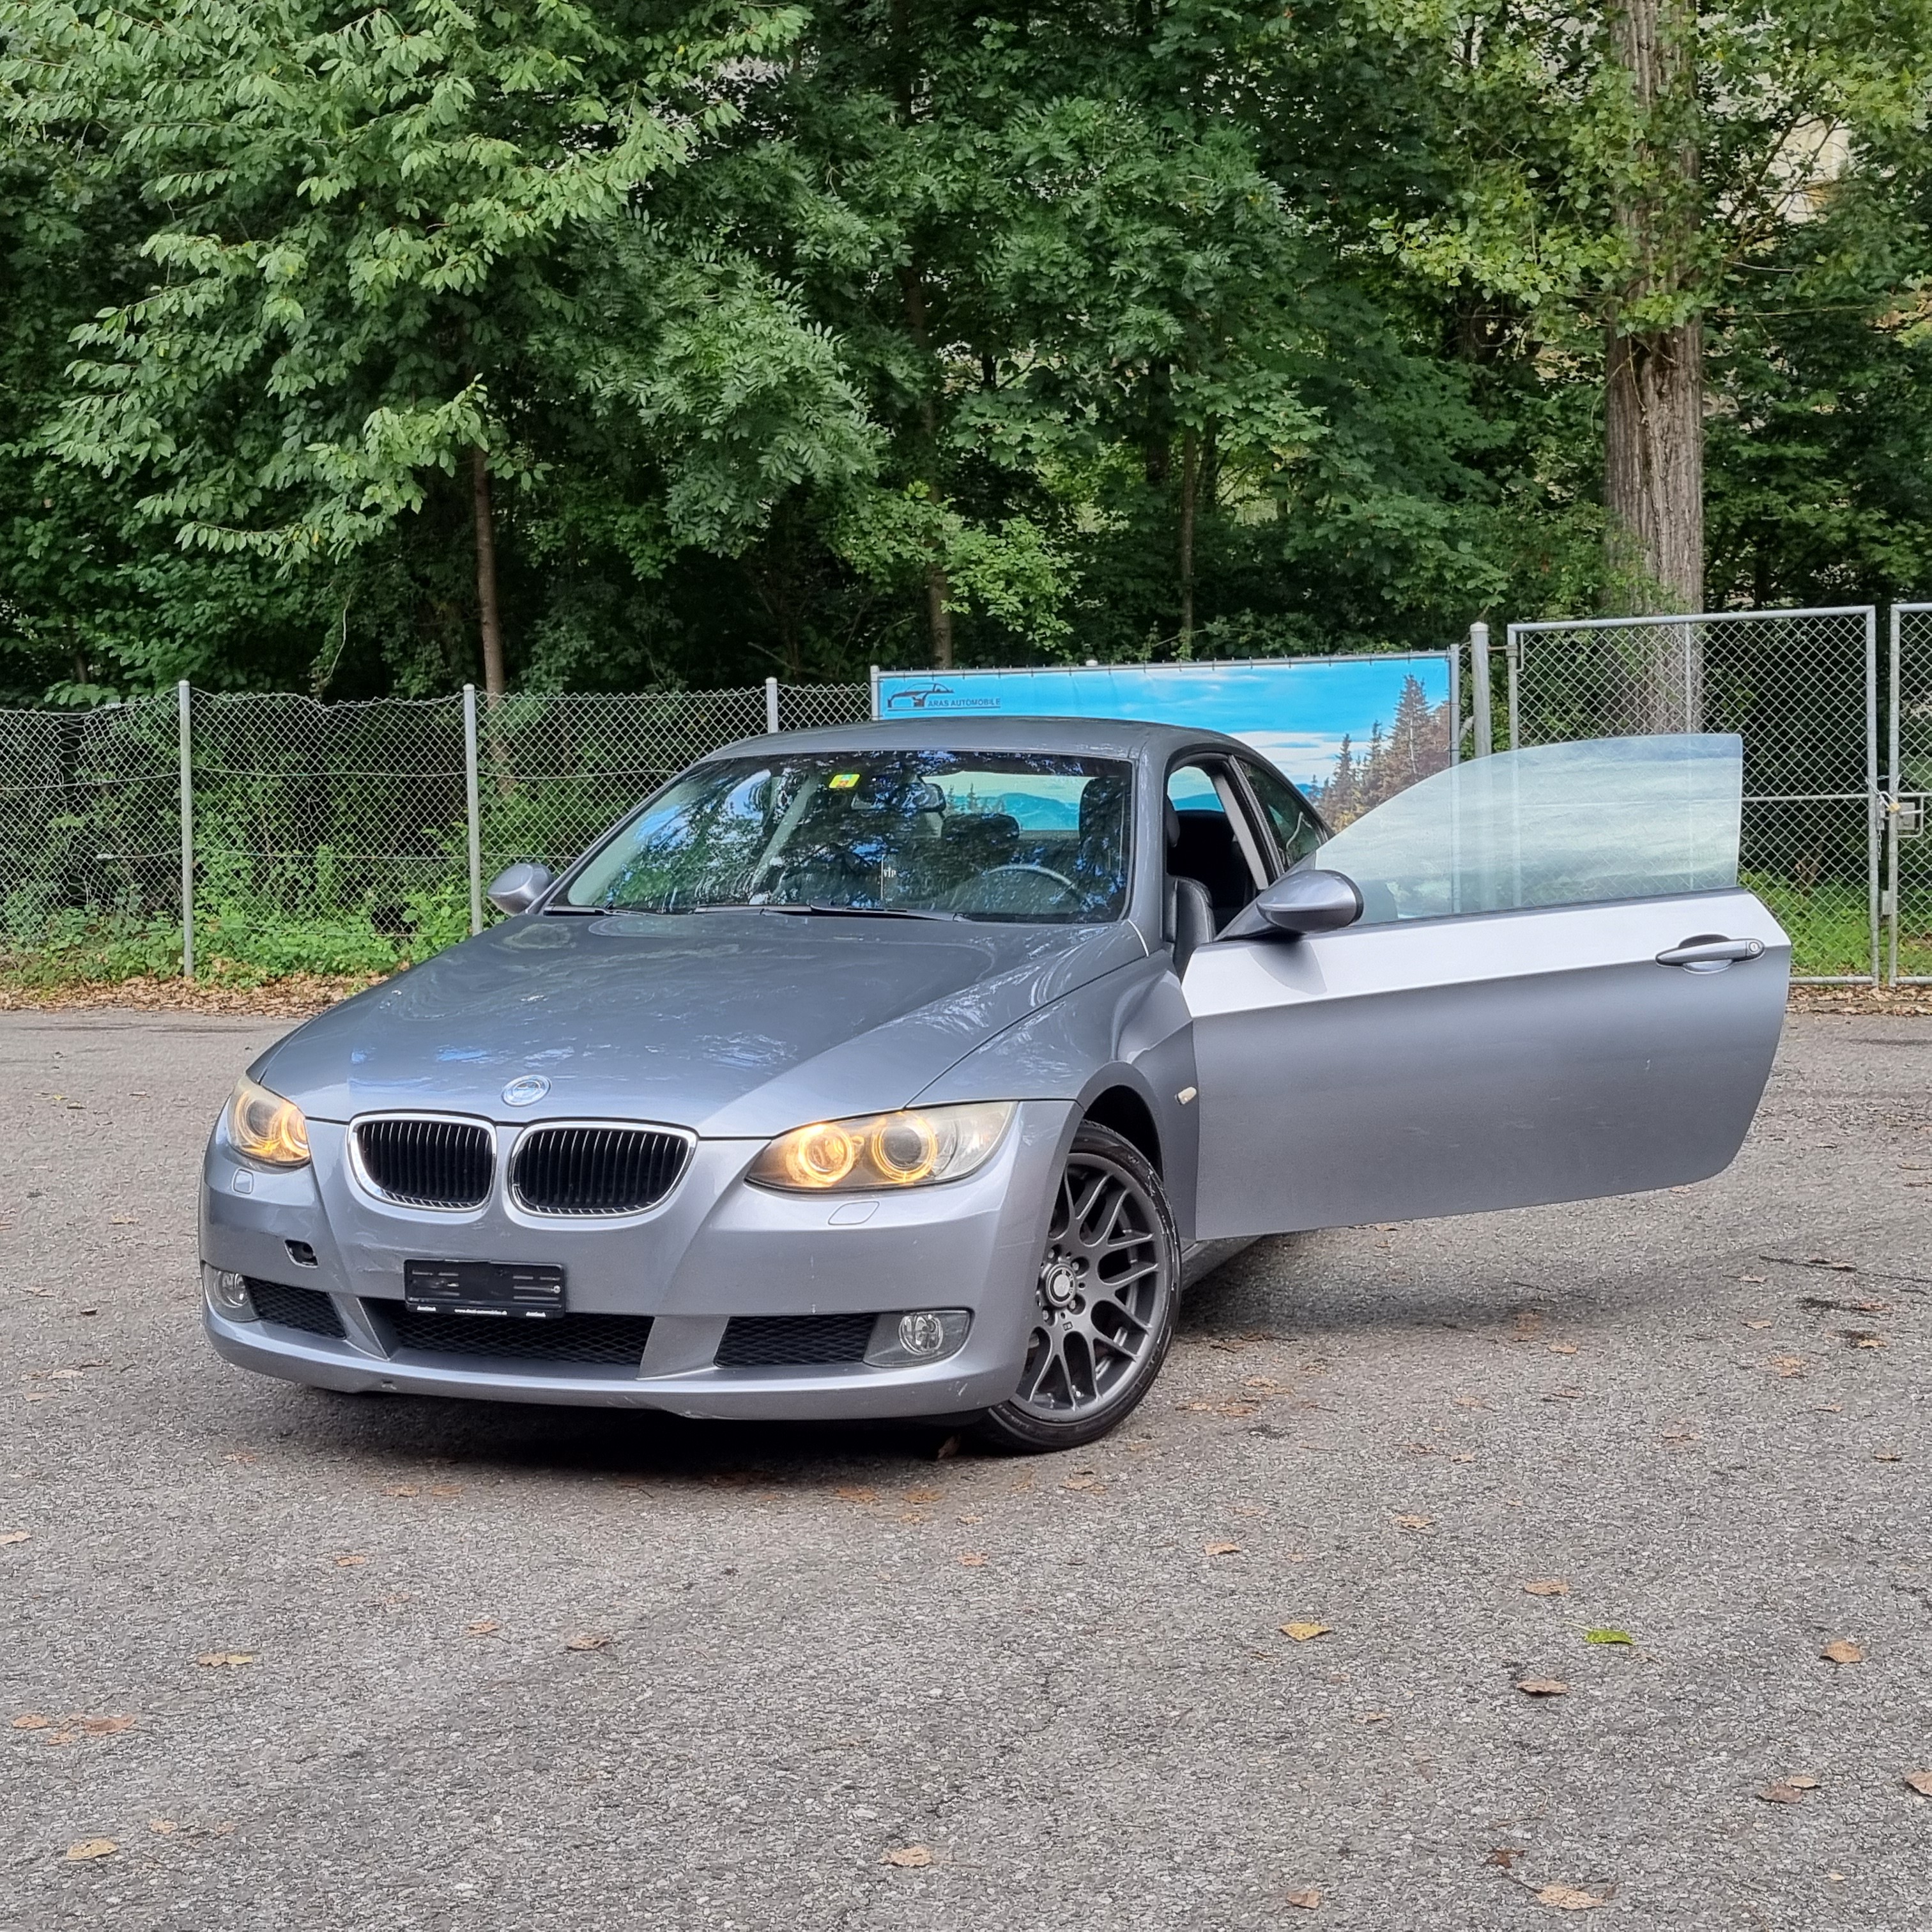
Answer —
(1297, 828)
(1609, 819)
(1209, 837)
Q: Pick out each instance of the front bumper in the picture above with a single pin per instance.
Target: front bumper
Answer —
(717, 1249)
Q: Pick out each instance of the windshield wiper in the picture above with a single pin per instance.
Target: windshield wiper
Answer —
(577, 912)
(817, 911)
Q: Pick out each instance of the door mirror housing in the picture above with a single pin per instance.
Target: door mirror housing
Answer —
(518, 887)
(1302, 901)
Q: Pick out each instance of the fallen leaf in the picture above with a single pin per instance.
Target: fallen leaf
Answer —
(855, 1493)
(1802, 1782)
(1305, 1900)
(1266, 1383)
(1251, 1509)
(1371, 1717)
(908, 1856)
(110, 1725)
(1088, 1481)
(588, 1640)
(446, 1488)
(1506, 1855)
(1920, 1781)
(1563, 1348)
(1826, 1261)
(1413, 1522)
(14, 1536)
(972, 1515)
(946, 1450)
(1301, 1632)
(1220, 1549)
(230, 1660)
(1608, 1636)
(1887, 1455)
(31, 1721)
(1785, 1793)
(1759, 1325)
(973, 1559)
(1546, 1586)
(925, 1496)
(1542, 1687)
(1567, 1898)
(162, 1826)
(350, 1562)
(91, 1848)
(1787, 1365)
(1842, 1650)
(402, 1489)
(482, 1626)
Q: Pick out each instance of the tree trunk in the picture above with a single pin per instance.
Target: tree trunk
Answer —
(487, 611)
(1654, 376)
(1190, 476)
(1653, 464)
(939, 613)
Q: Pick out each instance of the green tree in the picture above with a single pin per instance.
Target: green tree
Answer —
(413, 247)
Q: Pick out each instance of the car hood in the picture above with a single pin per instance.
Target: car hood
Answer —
(731, 1024)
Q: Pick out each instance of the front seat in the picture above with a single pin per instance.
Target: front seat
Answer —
(1191, 919)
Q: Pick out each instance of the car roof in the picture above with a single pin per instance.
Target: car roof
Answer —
(1098, 737)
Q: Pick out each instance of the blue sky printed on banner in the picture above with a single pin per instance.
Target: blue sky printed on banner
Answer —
(1294, 711)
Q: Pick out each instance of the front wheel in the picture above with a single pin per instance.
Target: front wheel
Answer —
(1103, 1303)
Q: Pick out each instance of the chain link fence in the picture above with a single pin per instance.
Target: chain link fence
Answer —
(347, 837)
(1801, 687)
(1909, 780)
(338, 837)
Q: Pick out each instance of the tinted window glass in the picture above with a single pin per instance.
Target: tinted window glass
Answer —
(1614, 818)
(1012, 836)
(1297, 829)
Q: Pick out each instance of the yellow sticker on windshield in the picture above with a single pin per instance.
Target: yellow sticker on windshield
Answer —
(843, 781)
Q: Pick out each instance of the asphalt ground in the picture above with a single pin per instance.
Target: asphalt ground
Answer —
(1058, 1689)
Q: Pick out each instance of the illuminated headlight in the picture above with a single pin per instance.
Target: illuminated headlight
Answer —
(906, 1149)
(263, 1126)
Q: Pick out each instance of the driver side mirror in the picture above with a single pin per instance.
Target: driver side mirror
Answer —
(518, 887)
(1310, 902)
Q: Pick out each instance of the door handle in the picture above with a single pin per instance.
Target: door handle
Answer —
(1711, 953)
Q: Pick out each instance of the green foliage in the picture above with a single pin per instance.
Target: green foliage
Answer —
(768, 318)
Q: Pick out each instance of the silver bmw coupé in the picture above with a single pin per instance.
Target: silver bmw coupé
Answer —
(909, 1068)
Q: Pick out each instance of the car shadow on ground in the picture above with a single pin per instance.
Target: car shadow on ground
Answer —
(1278, 1290)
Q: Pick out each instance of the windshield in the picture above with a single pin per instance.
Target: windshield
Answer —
(1025, 836)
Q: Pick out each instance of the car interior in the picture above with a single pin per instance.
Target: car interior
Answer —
(1215, 860)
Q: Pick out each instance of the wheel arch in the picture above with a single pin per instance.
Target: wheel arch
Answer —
(1121, 1106)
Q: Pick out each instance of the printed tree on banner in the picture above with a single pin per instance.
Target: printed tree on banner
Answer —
(1416, 744)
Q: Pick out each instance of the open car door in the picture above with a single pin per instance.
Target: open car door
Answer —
(1556, 990)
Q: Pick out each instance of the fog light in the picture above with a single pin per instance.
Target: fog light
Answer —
(229, 1291)
(922, 1334)
(919, 1335)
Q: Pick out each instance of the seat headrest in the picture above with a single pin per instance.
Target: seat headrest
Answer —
(1173, 826)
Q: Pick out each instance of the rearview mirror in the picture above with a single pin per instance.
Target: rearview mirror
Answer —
(1311, 901)
(518, 887)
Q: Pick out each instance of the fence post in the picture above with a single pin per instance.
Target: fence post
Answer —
(1875, 812)
(1892, 805)
(184, 697)
(472, 807)
(772, 705)
(1456, 702)
(875, 693)
(1482, 731)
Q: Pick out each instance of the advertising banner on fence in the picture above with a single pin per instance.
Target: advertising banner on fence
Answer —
(1349, 731)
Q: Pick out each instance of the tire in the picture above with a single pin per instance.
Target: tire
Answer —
(1092, 1356)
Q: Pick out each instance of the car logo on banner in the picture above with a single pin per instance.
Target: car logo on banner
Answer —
(525, 1090)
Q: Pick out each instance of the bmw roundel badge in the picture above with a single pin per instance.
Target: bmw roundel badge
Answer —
(525, 1090)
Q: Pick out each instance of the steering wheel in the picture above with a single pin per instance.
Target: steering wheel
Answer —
(1026, 865)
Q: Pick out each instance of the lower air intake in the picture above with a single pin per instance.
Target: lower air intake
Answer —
(308, 1308)
(794, 1341)
(607, 1339)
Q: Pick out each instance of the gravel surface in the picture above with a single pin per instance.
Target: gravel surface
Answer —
(302, 1660)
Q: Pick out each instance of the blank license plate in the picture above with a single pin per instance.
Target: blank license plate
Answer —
(483, 1288)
